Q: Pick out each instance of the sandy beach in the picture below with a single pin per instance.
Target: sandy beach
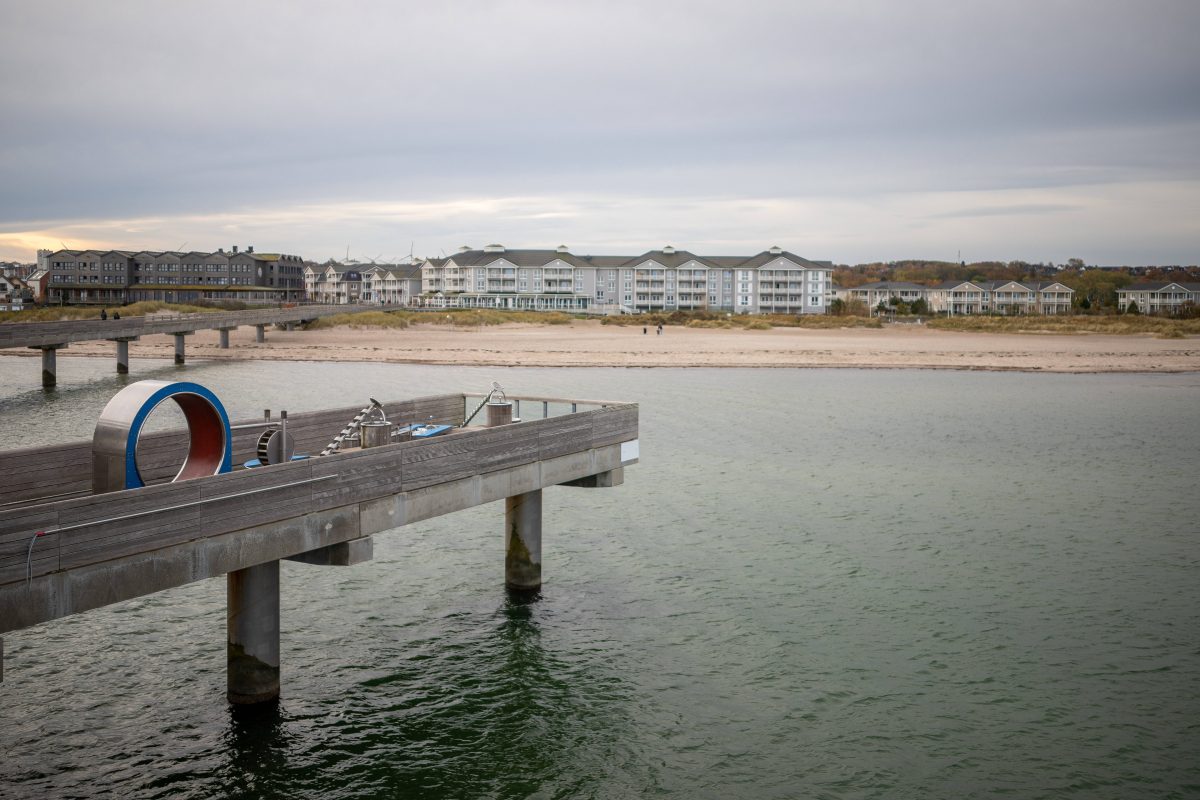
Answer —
(590, 344)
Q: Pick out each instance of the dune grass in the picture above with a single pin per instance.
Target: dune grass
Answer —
(139, 309)
(459, 318)
(753, 322)
(1116, 324)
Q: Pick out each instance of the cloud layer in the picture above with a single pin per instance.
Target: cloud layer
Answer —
(849, 131)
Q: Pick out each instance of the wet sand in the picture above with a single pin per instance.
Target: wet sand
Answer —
(590, 344)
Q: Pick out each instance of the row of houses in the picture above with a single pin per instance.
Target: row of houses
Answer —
(1170, 297)
(15, 293)
(114, 277)
(968, 297)
(667, 279)
(386, 284)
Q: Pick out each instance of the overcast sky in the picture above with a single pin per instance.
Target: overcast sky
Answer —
(849, 131)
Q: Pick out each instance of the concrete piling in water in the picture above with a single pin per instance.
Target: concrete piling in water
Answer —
(49, 367)
(252, 619)
(523, 541)
(179, 360)
(522, 522)
(260, 333)
(122, 356)
(224, 338)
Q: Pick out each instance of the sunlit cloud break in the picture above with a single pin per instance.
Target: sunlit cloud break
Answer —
(1028, 224)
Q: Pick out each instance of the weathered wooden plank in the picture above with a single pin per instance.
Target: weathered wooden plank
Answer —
(253, 497)
(358, 476)
(614, 425)
(20, 571)
(17, 524)
(438, 460)
(569, 433)
(508, 446)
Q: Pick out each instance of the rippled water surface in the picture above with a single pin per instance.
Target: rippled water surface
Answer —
(892, 584)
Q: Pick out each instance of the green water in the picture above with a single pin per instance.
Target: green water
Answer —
(842, 584)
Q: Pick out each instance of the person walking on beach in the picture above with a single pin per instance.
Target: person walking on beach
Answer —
(103, 313)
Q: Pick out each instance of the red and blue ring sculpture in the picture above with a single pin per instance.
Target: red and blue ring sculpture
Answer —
(115, 441)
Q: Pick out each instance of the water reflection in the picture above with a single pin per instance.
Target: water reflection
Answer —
(257, 745)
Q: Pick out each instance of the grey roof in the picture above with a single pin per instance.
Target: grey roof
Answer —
(891, 286)
(991, 286)
(674, 259)
(766, 256)
(1155, 286)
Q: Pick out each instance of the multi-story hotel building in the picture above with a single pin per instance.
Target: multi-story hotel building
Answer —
(112, 277)
(773, 281)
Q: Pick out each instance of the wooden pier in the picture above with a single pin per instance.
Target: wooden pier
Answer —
(64, 550)
(50, 337)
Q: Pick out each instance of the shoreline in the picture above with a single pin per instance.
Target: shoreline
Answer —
(590, 344)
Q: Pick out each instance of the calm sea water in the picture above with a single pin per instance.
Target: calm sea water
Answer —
(828, 584)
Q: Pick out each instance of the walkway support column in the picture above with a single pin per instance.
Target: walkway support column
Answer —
(260, 333)
(252, 619)
(49, 364)
(179, 360)
(523, 541)
(122, 356)
(224, 334)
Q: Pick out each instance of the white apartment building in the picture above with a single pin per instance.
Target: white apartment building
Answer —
(773, 281)
(1159, 298)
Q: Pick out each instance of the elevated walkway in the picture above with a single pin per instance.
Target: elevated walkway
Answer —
(64, 550)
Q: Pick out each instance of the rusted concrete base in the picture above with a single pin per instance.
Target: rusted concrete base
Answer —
(523, 541)
(253, 632)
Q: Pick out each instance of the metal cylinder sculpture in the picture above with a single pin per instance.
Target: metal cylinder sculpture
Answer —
(115, 441)
(375, 433)
(499, 413)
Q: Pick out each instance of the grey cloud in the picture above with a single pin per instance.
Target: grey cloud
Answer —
(134, 108)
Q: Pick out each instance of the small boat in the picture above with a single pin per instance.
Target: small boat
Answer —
(426, 431)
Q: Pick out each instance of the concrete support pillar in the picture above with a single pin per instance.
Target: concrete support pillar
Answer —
(260, 333)
(224, 334)
(252, 620)
(179, 349)
(122, 356)
(523, 540)
(49, 367)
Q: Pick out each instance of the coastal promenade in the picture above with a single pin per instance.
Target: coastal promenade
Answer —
(50, 337)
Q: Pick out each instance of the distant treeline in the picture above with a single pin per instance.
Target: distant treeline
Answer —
(1094, 288)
